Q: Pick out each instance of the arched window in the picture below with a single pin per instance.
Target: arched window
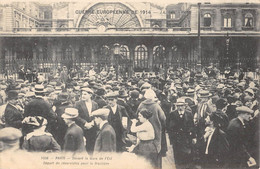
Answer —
(248, 20)
(68, 53)
(207, 20)
(124, 51)
(141, 57)
(104, 51)
(158, 56)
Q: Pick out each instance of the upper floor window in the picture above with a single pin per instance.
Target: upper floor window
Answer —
(248, 20)
(124, 51)
(227, 21)
(68, 53)
(207, 20)
(172, 15)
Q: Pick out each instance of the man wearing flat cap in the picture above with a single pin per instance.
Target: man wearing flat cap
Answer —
(115, 118)
(74, 139)
(85, 119)
(13, 115)
(239, 139)
(106, 137)
(9, 139)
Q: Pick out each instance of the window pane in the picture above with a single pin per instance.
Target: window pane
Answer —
(229, 22)
(225, 22)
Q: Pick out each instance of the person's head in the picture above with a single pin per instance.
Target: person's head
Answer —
(180, 104)
(39, 90)
(245, 113)
(144, 115)
(69, 115)
(86, 94)
(100, 115)
(9, 138)
(111, 98)
(204, 95)
(12, 97)
(221, 104)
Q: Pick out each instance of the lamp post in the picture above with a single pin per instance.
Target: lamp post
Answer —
(117, 48)
(199, 40)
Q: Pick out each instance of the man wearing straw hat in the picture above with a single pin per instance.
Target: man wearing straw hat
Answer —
(181, 132)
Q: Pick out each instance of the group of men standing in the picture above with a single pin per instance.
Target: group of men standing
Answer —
(211, 122)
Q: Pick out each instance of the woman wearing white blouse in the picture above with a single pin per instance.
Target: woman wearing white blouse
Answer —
(145, 135)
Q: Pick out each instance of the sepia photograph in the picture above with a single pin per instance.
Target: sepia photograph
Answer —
(129, 84)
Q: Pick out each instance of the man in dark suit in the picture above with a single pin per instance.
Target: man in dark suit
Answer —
(74, 139)
(106, 138)
(181, 132)
(85, 119)
(216, 147)
(239, 139)
(13, 115)
(61, 127)
(100, 92)
(39, 107)
(117, 118)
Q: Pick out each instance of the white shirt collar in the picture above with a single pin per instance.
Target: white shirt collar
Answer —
(114, 108)
(242, 121)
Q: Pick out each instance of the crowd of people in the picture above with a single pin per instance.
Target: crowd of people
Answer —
(210, 120)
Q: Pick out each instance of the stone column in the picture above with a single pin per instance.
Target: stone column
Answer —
(257, 20)
(239, 20)
(150, 57)
(217, 21)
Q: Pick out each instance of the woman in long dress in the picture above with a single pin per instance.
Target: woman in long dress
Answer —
(145, 138)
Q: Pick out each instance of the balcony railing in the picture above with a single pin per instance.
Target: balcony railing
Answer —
(94, 29)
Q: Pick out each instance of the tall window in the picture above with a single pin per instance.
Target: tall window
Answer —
(68, 53)
(207, 20)
(248, 20)
(172, 15)
(158, 56)
(124, 51)
(227, 21)
(141, 57)
(1, 19)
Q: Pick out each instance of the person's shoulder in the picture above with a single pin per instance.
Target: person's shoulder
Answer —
(234, 123)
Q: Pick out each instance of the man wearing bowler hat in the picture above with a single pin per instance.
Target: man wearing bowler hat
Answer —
(106, 137)
(85, 119)
(239, 139)
(73, 140)
(39, 107)
(13, 115)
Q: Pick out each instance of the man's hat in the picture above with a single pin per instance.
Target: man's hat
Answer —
(63, 96)
(221, 103)
(204, 93)
(39, 89)
(250, 91)
(180, 102)
(146, 85)
(122, 94)
(100, 92)
(70, 113)
(86, 89)
(101, 112)
(112, 95)
(244, 109)
(134, 94)
(29, 94)
(10, 135)
(12, 94)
